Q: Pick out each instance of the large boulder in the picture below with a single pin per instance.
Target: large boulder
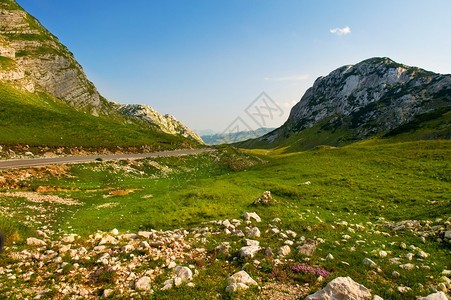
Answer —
(341, 288)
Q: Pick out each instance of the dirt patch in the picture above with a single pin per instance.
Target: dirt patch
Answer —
(17, 178)
(38, 198)
(106, 205)
(285, 291)
(121, 192)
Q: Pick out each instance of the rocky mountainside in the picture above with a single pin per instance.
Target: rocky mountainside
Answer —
(167, 123)
(375, 96)
(33, 60)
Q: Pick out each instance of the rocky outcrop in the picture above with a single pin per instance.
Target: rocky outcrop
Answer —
(166, 123)
(50, 65)
(374, 96)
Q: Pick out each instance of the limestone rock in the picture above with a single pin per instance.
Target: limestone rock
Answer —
(308, 247)
(247, 216)
(253, 232)
(341, 288)
(241, 277)
(435, 296)
(184, 273)
(249, 251)
(35, 242)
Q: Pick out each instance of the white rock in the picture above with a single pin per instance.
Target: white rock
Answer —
(291, 233)
(235, 287)
(369, 262)
(247, 216)
(408, 266)
(249, 251)
(276, 220)
(107, 293)
(435, 296)
(35, 242)
(253, 232)
(241, 277)
(143, 284)
(249, 242)
(128, 248)
(409, 256)
(422, 254)
(83, 292)
(284, 250)
(108, 240)
(184, 273)
(376, 297)
(114, 231)
(341, 288)
(172, 265)
(329, 256)
(382, 253)
(146, 234)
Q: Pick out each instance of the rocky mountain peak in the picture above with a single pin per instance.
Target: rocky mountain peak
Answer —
(371, 97)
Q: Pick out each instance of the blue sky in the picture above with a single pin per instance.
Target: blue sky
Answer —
(205, 61)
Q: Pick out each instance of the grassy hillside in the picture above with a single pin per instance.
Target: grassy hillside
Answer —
(39, 119)
(367, 186)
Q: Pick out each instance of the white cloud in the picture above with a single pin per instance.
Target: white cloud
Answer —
(288, 78)
(341, 31)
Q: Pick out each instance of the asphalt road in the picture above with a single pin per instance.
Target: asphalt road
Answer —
(40, 162)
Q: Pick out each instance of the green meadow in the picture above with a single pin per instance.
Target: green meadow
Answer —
(355, 196)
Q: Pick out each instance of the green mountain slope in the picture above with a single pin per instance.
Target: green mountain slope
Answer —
(40, 119)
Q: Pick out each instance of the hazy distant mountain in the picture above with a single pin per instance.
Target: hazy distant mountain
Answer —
(374, 97)
(221, 138)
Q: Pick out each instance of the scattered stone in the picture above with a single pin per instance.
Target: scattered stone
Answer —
(253, 232)
(107, 293)
(241, 277)
(108, 240)
(382, 253)
(114, 231)
(435, 296)
(308, 248)
(284, 250)
(249, 242)
(247, 216)
(407, 266)
(395, 274)
(329, 256)
(409, 256)
(184, 273)
(403, 289)
(369, 262)
(265, 199)
(341, 288)
(35, 242)
(422, 254)
(249, 251)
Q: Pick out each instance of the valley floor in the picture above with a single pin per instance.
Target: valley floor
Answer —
(173, 227)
